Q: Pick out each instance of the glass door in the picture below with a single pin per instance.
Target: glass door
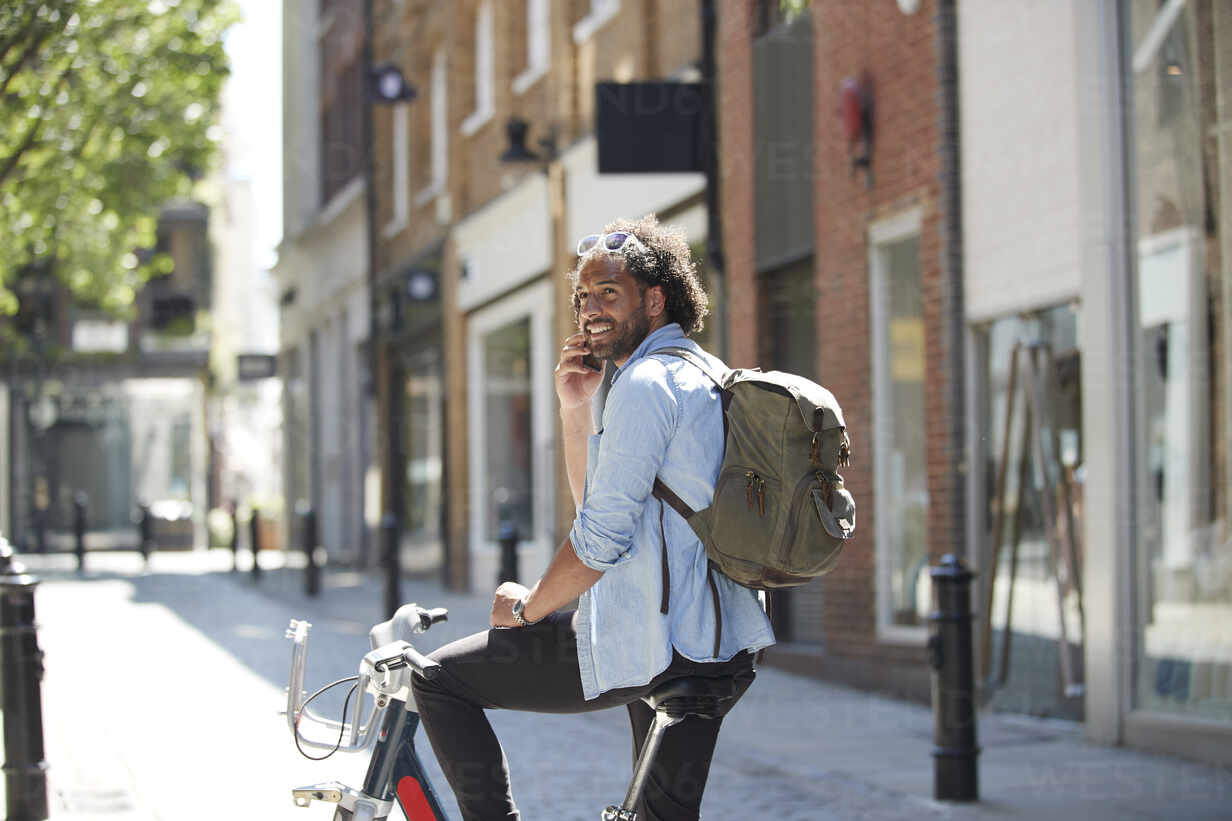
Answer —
(512, 408)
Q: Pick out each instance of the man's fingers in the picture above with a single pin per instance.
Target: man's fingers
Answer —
(572, 353)
(573, 365)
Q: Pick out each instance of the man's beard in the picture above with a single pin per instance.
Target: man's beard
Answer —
(623, 339)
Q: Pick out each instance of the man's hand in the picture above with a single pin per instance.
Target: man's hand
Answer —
(502, 604)
(575, 383)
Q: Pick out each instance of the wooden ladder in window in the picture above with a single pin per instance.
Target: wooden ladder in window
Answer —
(1041, 441)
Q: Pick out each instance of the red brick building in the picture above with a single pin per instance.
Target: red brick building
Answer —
(853, 274)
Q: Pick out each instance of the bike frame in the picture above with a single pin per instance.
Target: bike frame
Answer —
(395, 771)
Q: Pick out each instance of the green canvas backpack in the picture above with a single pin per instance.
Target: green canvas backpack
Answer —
(780, 513)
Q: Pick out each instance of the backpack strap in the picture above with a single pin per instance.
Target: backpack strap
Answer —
(698, 362)
(661, 491)
(667, 571)
(666, 495)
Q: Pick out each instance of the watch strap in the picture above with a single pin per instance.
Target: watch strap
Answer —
(518, 607)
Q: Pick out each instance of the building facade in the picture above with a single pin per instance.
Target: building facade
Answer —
(109, 413)
(1096, 284)
(473, 250)
(1023, 309)
(1020, 299)
(838, 227)
(322, 276)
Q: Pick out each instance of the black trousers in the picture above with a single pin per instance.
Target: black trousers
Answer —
(536, 669)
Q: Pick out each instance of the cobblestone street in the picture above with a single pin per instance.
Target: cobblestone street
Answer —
(163, 689)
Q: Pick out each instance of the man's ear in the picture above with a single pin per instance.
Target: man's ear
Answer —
(656, 301)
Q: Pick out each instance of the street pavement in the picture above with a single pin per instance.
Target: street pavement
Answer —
(164, 684)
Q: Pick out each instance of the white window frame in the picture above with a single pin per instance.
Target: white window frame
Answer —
(600, 12)
(440, 130)
(484, 71)
(538, 45)
(400, 149)
(882, 234)
(534, 301)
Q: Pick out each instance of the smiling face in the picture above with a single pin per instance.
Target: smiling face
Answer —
(614, 311)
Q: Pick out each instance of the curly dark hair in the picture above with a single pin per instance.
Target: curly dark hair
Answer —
(666, 262)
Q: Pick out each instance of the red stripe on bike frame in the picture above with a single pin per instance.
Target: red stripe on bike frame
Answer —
(414, 802)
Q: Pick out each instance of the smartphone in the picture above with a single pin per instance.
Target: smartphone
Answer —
(592, 362)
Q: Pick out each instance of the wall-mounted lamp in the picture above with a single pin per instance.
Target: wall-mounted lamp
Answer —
(855, 111)
(515, 132)
(389, 86)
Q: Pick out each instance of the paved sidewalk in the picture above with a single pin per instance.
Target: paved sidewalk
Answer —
(796, 747)
(174, 717)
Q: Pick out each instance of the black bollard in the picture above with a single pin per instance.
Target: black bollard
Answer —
(21, 673)
(79, 528)
(390, 559)
(146, 531)
(235, 536)
(955, 753)
(509, 553)
(254, 542)
(312, 571)
(41, 503)
(40, 530)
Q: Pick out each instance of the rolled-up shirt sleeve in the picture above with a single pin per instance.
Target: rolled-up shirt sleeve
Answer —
(640, 418)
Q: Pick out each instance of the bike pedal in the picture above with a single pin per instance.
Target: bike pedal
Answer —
(330, 793)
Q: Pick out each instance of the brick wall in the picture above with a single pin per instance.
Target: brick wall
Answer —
(734, 70)
(899, 54)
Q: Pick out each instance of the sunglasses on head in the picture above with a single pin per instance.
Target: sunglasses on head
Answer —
(608, 242)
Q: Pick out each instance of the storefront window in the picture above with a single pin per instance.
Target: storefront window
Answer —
(1180, 129)
(424, 460)
(899, 422)
(507, 401)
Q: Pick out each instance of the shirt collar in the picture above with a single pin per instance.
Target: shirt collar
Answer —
(665, 337)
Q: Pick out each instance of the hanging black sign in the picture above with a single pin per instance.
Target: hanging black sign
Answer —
(650, 127)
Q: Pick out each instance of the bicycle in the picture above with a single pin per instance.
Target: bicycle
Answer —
(395, 773)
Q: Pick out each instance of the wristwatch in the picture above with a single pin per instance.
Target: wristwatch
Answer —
(518, 607)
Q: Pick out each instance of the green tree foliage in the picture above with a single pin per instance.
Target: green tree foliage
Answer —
(106, 109)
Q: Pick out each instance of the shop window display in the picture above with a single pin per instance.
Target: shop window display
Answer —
(1179, 125)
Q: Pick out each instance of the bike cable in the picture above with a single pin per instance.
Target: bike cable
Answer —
(341, 730)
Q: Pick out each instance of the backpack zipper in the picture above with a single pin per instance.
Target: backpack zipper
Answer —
(753, 482)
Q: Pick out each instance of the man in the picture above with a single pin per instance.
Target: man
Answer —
(636, 291)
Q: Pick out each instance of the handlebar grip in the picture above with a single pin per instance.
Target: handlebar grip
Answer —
(437, 615)
(421, 664)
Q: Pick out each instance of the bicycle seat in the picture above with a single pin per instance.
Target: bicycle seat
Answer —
(693, 696)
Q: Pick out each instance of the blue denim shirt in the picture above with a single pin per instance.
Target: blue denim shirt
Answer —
(661, 417)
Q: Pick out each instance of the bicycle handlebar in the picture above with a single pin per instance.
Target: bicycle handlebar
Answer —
(391, 651)
(421, 664)
(407, 620)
